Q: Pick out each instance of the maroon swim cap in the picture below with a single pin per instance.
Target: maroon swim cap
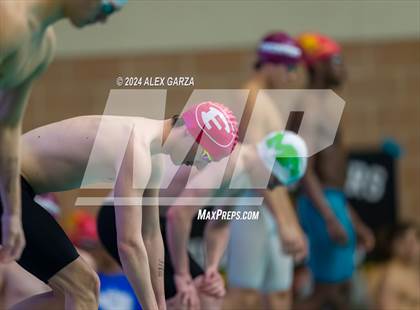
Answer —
(279, 48)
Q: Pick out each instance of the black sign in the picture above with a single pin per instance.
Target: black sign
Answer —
(370, 187)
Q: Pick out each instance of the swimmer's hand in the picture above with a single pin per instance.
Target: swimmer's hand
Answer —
(294, 242)
(336, 231)
(13, 239)
(211, 283)
(187, 295)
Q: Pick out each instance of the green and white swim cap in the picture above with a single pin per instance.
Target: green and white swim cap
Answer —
(285, 154)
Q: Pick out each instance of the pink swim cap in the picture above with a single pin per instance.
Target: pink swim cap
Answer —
(317, 47)
(213, 126)
(279, 48)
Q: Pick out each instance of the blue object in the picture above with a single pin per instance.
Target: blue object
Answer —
(329, 262)
(109, 7)
(116, 293)
(391, 147)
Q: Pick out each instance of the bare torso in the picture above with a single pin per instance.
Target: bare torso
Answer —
(264, 116)
(27, 49)
(330, 165)
(55, 157)
(402, 281)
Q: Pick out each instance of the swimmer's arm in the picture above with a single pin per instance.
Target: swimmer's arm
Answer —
(313, 189)
(365, 236)
(132, 252)
(178, 229)
(216, 238)
(131, 247)
(3, 282)
(179, 218)
(9, 170)
(355, 218)
(12, 104)
(12, 107)
(293, 239)
(153, 242)
(279, 203)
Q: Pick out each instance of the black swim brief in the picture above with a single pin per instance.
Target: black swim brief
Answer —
(48, 249)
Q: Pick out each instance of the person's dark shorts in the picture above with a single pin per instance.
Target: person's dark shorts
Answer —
(48, 249)
(108, 235)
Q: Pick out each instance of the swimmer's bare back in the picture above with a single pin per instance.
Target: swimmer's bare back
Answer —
(55, 156)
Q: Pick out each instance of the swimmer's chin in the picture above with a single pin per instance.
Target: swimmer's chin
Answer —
(181, 162)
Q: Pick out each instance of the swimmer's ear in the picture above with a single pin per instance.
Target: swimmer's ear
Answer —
(185, 132)
(177, 121)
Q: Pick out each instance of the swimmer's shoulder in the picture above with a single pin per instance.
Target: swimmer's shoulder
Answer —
(90, 124)
(13, 26)
(158, 166)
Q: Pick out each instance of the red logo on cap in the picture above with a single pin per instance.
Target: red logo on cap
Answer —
(215, 124)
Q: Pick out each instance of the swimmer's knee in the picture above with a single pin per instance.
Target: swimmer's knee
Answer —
(278, 300)
(248, 298)
(282, 294)
(210, 302)
(77, 281)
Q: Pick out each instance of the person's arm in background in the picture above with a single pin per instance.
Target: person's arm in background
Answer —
(291, 234)
(216, 238)
(313, 189)
(365, 236)
(128, 217)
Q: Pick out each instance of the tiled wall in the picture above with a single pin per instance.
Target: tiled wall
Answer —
(382, 95)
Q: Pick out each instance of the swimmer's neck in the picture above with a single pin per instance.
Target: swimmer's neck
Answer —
(249, 157)
(46, 13)
(160, 139)
(318, 81)
(258, 80)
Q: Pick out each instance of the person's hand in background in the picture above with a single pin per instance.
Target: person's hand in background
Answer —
(365, 238)
(336, 231)
(294, 241)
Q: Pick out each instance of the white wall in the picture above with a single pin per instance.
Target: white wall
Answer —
(184, 25)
